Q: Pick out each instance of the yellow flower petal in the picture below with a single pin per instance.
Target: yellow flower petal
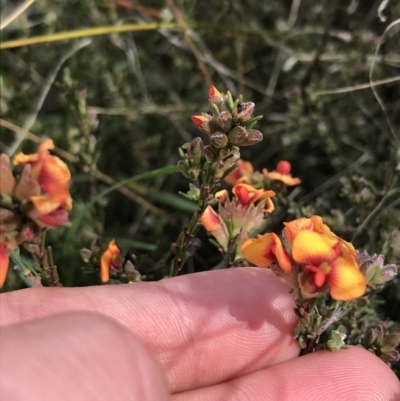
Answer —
(345, 280)
(256, 250)
(264, 249)
(312, 248)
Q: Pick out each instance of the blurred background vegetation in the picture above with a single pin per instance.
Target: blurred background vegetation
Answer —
(120, 104)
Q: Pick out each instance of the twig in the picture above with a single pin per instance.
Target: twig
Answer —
(15, 14)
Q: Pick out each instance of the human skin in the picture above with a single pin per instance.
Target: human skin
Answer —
(213, 336)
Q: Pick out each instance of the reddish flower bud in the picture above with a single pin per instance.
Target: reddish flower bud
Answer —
(283, 167)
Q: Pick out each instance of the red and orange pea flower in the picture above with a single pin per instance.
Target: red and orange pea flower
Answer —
(244, 213)
(51, 173)
(282, 174)
(53, 176)
(241, 174)
(108, 259)
(327, 259)
(246, 195)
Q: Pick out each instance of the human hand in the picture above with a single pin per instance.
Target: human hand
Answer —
(216, 336)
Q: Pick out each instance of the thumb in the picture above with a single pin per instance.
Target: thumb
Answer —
(79, 357)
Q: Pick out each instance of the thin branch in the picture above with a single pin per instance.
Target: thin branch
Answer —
(15, 14)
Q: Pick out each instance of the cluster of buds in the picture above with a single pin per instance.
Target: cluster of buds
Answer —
(384, 344)
(238, 217)
(374, 269)
(229, 127)
(110, 262)
(244, 173)
(36, 200)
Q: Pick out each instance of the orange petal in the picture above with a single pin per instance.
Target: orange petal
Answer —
(44, 204)
(312, 248)
(222, 196)
(22, 158)
(4, 262)
(281, 256)
(106, 260)
(345, 280)
(257, 250)
(210, 219)
(287, 179)
(319, 275)
(292, 228)
(44, 148)
(53, 177)
(269, 206)
(243, 170)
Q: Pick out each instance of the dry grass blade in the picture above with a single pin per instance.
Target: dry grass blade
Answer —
(14, 15)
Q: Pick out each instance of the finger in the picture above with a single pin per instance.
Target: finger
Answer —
(354, 374)
(77, 357)
(204, 328)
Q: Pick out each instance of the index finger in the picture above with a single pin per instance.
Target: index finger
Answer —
(204, 328)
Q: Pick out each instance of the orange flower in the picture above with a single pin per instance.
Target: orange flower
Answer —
(265, 249)
(213, 223)
(108, 259)
(282, 173)
(241, 174)
(246, 195)
(51, 173)
(326, 265)
(316, 224)
(4, 262)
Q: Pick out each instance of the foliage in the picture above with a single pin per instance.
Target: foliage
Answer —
(118, 105)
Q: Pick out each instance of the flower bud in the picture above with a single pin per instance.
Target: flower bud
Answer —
(254, 137)
(184, 168)
(217, 98)
(196, 149)
(392, 340)
(209, 154)
(85, 254)
(387, 273)
(244, 111)
(374, 270)
(224, 120)
(392, 356)
(202, 122)
(336, 341)
(219, 139)
(9, 221)
(237, 136)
